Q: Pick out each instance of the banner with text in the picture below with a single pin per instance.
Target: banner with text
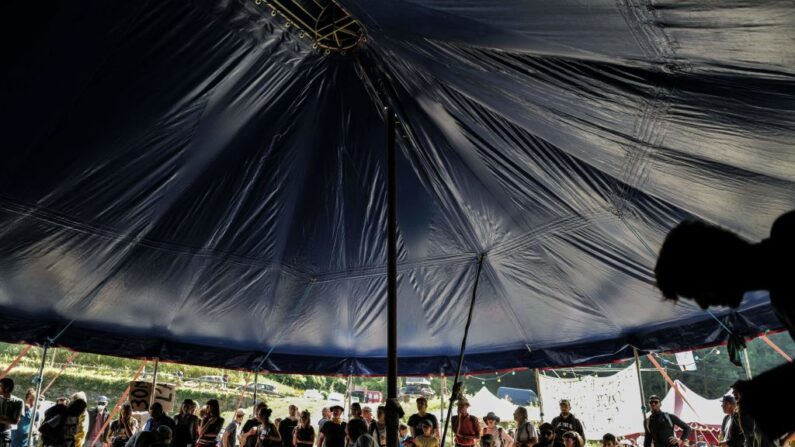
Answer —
(609, 404)
(141, 392)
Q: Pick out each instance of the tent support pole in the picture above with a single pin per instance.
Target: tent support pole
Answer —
(392, 365)
(256, 379)
(443, 392)
(154, 382)
(747, 364)
(39, 381)
(456, 384)
(640, 385)
(40, 378)
(540, 399)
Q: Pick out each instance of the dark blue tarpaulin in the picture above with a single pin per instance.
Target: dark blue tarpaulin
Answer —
(192, 180)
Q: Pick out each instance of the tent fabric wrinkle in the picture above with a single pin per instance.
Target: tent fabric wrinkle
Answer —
(193, 181)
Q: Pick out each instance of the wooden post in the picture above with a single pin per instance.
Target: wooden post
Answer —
(154, 382)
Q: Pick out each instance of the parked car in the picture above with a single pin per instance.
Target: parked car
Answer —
(266, 388)
(336, 397)
(367, 396)
(418, 390)
(313, 394)
(212, 380)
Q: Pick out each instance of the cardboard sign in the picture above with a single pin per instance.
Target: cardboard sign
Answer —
(141, 392)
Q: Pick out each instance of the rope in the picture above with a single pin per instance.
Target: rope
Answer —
(65, 365)
(16, 361)
(776, 348)
(670, 382)
(118, 404)
(242, 393)
(456, 383)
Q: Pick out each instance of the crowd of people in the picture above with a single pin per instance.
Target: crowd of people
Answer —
(69, 423)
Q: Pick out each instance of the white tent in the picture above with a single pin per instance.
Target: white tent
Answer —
(700, 411)
(484, 401)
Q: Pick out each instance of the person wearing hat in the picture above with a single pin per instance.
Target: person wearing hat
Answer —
(659, 427)
(97, 429)
(566, 421)
(547, 437)
(415, 420)
(466, 427)
(731, 434)
(333, 431)
(427, 438)
(498, 436)
(82, 423)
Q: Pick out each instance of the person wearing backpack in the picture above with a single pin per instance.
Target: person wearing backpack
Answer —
(526, 434)
(466, 427)
(660, 427)
(499, 437)
(51, 430)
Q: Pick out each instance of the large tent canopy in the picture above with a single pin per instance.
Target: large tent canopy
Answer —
(192, 180)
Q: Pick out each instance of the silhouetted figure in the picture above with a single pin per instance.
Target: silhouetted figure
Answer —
(715, 267)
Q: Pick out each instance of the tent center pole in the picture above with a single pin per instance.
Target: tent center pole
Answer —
(39, 381)
(392, 366)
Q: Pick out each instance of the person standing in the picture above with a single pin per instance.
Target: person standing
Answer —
(377, 428)
(287, 426)
(232, 430)
(325, 415)
(356, 411)
(123, 428)
(730, 430)
(466, 427)
(186, 425)
(211, 425)
(356, 433)
(10, 410)
(27, 422)
(547, 437)
(367, 415)
(304, 434)
(573, 439)
(416, 419)
(263, 435)
(97, 417)
(252, 422)
(427, 438)
(609, 440)
(566, 421)
(660, 427)
(75, 425)
(498, 435)
(526, 435)
(81, 429)
(333, 431)
(158, 417)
